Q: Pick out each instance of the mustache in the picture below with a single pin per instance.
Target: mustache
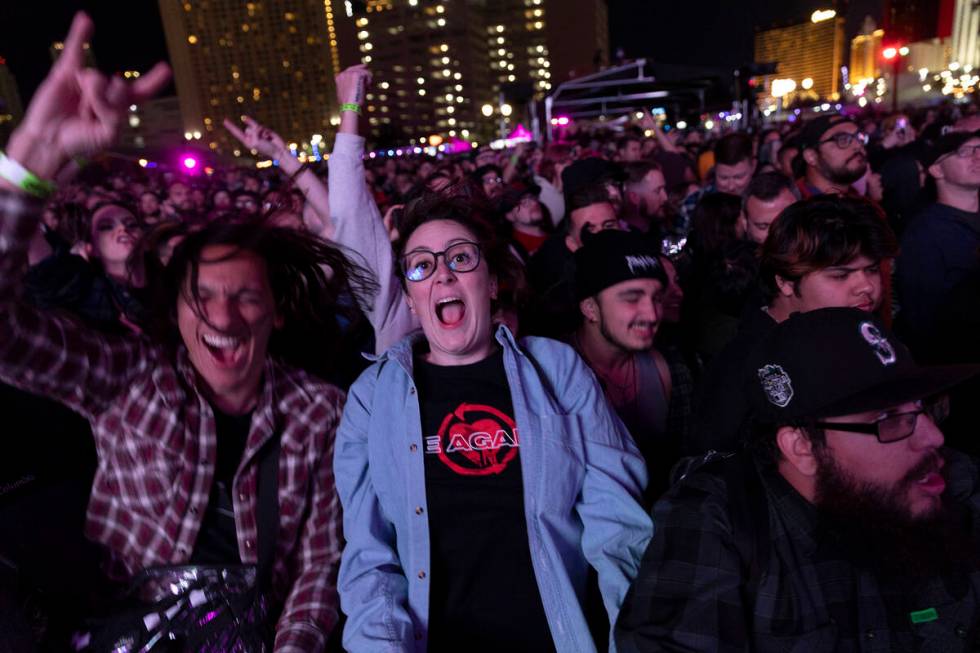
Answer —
(932, 462)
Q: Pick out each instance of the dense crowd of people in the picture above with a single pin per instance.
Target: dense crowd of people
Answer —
(633, 390)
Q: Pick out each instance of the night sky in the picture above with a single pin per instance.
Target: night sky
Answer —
(129, 34)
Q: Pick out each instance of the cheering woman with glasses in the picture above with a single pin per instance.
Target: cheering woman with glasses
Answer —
(481, 477)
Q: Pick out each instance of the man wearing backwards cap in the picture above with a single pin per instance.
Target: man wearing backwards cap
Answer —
(939, 247)
(832, 147)
(866, 532)
(619, 284)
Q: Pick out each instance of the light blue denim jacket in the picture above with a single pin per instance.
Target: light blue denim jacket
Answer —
(582, 479)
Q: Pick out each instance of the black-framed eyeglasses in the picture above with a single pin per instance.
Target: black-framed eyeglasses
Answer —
(419, 265)
(897, 427)
(843, 140)
(967, 151)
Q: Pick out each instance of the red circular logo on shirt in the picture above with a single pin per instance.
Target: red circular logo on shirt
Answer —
(476, 440)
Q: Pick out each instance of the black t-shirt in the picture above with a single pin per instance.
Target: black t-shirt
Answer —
(217, 541)
(483, 596)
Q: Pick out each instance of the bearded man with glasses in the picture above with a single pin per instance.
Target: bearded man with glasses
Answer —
(832, 148)
(846, 526)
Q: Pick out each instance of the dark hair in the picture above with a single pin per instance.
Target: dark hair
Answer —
(627, 139)
(636, 171)
(308, 299)
(714, 221)
(88, 217)
(493, 249)
(821, 232)
(767, 186)
(733, 149)
(595, 193)
(760, 438)
(554, 153)
(246, 193)
(484, 169)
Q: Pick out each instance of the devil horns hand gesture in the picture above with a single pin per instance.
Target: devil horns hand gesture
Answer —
(77, 111)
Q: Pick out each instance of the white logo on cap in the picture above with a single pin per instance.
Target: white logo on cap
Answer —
(642, 262)
(882, 348)
(776, 384)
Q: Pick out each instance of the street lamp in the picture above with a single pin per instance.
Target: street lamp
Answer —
(487, 110)
(506, 109)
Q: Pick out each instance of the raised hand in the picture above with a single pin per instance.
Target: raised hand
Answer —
(77, 111)
(352, 84)
(258, 137)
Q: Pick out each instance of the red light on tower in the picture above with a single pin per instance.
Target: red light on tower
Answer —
(889, 53)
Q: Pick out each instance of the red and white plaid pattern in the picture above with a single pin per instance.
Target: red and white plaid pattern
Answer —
(156, 441)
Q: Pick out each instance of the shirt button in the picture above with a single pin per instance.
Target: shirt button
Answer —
(418, 510)
(411, 391)
(413, 448)
(869, 634)
(241, 496)
(248, 544)
(421, 575)
(960, 631)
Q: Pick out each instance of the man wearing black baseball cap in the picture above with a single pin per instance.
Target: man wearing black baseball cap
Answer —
(530, 226)
(939, 247)
(619, 285)
(832, 147)
(589, 190)
(847, 526)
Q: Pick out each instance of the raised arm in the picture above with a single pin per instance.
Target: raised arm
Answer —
(270, 144)
(356, 221)
(75, 112)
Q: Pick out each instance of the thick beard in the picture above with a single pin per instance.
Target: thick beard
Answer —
(872, 527)
(842, 175)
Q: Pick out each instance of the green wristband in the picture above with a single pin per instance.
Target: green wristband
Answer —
(351, 106)
(24, 179)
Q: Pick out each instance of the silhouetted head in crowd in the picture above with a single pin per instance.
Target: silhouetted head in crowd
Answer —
(734, 163)
(765, 198)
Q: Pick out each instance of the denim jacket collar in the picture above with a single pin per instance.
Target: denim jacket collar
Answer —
(402, 352)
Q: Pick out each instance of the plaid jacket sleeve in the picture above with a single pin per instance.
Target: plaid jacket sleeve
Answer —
(48, 354)
(686, 596)
(311, 610)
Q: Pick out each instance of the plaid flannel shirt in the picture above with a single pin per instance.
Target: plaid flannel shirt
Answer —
(689, 593)
(156, 441)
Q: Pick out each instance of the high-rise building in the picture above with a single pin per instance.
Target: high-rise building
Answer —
(517, 47)
(577, 37)
(430, 66)
(810, 54)
(440, 66)
(965, 32)
(11, 108)
(908, 21)
(155, 124)
(56, 48)
(271, 59)
(866, 54)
